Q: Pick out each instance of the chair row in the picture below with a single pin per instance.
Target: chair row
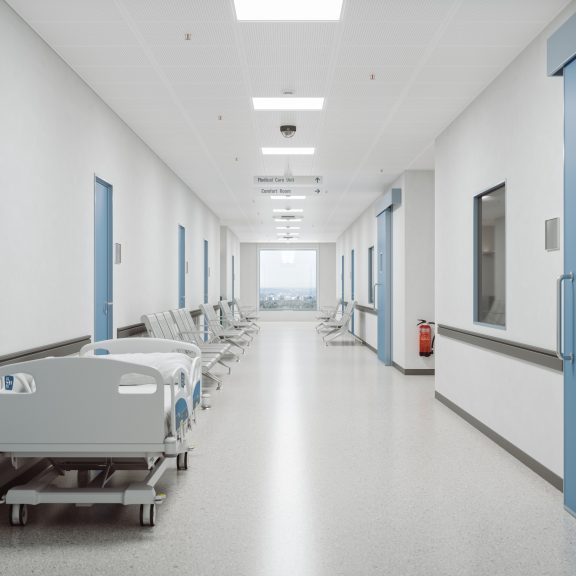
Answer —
(219, 339)
(332, 323)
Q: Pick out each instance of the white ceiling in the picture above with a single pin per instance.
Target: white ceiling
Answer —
(430, 59)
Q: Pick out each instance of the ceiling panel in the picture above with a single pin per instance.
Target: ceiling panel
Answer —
(176, 10)
(291, 57)
(394, 73)
(381, 74)
(472, 55)
(392, 33)
(203, 74)
(200, 56)
(67, 10)
(109, 56)
(466, 74)
(386, 10)
(107, 74)
(87, 33)
(308, 34)
(490, 33)
(510, 10)
(381, 56)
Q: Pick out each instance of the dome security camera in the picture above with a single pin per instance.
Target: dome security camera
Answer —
(288, 130)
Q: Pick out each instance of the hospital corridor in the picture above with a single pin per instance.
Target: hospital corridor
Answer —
(287, 287)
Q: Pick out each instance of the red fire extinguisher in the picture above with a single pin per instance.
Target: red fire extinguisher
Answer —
(425, 338)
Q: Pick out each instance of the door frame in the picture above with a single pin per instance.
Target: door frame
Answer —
(107, 265)
(383, 294)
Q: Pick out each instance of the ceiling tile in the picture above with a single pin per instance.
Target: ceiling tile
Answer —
(67, 10)
(387, 10)
(177, 10)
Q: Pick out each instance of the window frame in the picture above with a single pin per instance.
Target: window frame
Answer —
(291, 248)
(477, 247)
(371, 274)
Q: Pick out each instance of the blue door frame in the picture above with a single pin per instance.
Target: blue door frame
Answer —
(103, 278)
(352, 288)
(562, 62)
(181, 267)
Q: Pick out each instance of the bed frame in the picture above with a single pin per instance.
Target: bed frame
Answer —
(77, 419)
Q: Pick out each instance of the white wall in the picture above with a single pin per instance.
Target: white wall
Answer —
(412, 267)
(56, 135)
(249, 280)
(512, 132)
(229, 246)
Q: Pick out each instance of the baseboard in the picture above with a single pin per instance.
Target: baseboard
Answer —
(406, 372)
(414, 371)
(520, 455)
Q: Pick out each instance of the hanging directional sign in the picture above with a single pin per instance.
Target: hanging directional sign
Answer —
(276, 190)
(287, 180)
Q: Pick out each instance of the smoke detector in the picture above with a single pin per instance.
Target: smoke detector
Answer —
(288, 130)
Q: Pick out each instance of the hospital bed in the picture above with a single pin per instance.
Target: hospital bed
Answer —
(130, 409)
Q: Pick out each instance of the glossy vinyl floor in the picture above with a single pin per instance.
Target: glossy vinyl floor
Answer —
(318, 461)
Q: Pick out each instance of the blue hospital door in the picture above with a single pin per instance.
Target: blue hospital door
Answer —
(567, 287)
(103, 284)
(384, 286)
(352, 287)
(181, 267)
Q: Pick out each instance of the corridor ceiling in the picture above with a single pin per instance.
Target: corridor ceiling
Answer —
(394, 74)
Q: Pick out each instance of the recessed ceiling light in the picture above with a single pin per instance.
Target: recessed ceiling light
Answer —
(288, 210)
(287, 227)
(287, 197)
(288, 151)
(291, 10)
(289, 219)
(288, 103)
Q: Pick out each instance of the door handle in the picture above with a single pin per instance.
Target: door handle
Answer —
(374, 293)
(560, 318)
(107, 306)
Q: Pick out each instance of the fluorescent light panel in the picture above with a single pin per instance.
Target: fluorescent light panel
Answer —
(288, 151)
(290, 10)
(287, 197)
(286, 220)
(288, 103)
(288, 210)
(287, 227)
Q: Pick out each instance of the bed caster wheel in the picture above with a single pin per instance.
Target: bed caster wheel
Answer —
(182, 461)
(18, 515)
(148, 515)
